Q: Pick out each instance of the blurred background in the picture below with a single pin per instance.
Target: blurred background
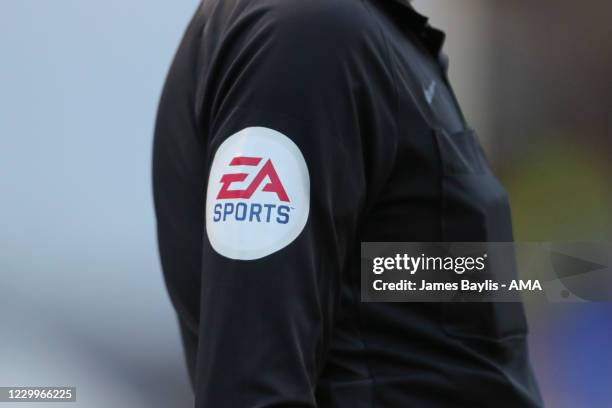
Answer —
(82, 301)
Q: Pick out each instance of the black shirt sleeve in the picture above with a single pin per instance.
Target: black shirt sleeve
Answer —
(297, 109)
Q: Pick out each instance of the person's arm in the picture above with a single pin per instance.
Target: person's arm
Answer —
(290, 164)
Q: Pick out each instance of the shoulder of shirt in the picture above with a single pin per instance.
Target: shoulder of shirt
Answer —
(345, 22)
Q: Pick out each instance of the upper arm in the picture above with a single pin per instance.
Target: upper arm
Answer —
(293, 144)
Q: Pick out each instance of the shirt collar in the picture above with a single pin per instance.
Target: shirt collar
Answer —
(433, 38)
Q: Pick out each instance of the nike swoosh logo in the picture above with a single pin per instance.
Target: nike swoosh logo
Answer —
(430, 92)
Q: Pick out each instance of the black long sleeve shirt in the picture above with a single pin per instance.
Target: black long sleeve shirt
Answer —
(288, 132)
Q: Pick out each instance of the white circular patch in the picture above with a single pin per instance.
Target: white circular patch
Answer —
(258, 195)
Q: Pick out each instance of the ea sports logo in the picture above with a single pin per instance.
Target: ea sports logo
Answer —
(268, 170)
(246, 210)
(258, 194)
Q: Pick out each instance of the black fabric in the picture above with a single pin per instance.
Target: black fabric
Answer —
(359, 88)
(190, 349)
